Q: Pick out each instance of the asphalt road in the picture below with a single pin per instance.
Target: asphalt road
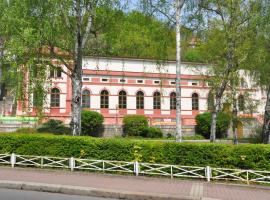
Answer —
(6, 194)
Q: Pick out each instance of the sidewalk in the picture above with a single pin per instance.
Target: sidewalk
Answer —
(161, 187)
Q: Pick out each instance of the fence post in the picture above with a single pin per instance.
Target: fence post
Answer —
(136, 168)
(13, 159)
(71, 163)
(247, 177)
(208, 173)
(41, 162)
(171, 171)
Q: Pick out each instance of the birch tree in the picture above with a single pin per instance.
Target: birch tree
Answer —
(235, 23)
(172, 10)
(63, 28)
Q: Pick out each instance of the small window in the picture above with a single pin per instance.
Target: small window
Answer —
(56, 72)
(157, 82)
(195, 101)
(104, 80)
(139, 81)
(86, 79)
(210, 83)
(122, 80)
(157, 101)
(172, 82)
(104, 99)
(194, 83)
(55, 97)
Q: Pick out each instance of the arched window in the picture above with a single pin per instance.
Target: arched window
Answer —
(122, 100)
(104, 99)
(55, 97)
(195, 101)
(86, 99)
(241, 102)
(173, 101)
(157, 101)
(140, 100)
(210, 101)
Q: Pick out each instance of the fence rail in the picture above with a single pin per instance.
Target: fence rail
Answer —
(208, 173)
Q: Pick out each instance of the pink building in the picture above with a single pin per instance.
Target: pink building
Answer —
(116, 87)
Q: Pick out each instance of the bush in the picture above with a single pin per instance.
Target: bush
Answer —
(54, 126)
(92, 123)
(256, 136)
(244, 156)
(133, 125)
(26, 130)
(203, 126)
(152, 132)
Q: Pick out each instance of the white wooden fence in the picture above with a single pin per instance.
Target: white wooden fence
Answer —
(207, 173)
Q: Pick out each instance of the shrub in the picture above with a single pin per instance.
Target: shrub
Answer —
(203, 126)
(54, 126)
(152, 132)
(26, 130)
(245, 156)
(133, 125)
(92, 123)
(256, 136)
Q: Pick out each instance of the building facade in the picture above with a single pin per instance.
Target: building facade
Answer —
(116, 87)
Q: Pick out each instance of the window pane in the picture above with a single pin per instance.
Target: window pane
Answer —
(195, 101)
(140, 100)
(58, 72)
(104, 99)
(86, 99)
(55, 97)
(157, 101)
(173, 101)
(51, 72)
(122, 100)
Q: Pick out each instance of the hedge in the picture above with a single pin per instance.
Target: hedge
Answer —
(246, 156)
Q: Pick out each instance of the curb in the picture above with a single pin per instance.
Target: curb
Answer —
(85, 191)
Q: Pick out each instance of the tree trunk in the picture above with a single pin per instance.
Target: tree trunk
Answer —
(229, 68)
(266, 128)
(213, 125)
(234, 121)
(178, 7)
(76, 76)
(1, 64)
(76, 104)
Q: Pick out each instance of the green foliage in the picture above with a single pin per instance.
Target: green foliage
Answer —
(152, 132)
(256, 136)
(195, 137)
(245, 156)
(133, 125)
(26, 130)
(91, 123)
(203, 126)
(54, 126)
